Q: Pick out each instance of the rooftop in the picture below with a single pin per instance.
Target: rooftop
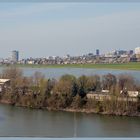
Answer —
(4, 81)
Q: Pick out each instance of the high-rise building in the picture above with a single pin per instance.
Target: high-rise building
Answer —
(15, 56)
(131, 52)
(97, 52)
(137, 52)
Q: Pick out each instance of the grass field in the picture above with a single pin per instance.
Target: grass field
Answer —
(126, 66)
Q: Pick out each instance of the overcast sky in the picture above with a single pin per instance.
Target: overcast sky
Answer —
(44, 29)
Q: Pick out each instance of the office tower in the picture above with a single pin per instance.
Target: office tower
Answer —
(97, 52)
(15, 56)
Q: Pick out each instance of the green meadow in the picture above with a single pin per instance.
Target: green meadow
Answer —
(125, 66)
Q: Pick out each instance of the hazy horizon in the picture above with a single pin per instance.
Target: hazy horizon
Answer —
(58, 29)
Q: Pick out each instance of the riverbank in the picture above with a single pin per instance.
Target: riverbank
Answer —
(5, 102)
(87, 111)
(124, 66)
(102, 113)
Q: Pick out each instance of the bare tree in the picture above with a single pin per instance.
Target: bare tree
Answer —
(109, 81)
(126, 82)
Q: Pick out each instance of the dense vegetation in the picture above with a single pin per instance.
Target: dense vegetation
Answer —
(69, 92)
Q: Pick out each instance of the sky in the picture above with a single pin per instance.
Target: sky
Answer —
(57, 29)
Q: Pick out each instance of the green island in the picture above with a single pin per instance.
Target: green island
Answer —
(105, 94)
(120, 66)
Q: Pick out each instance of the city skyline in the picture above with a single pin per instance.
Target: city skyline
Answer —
(14, 54)
(58, 29)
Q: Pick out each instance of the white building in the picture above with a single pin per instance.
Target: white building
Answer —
(30, 62)
(131, 93)
(4, 83)
(105, 91)
(137, 50)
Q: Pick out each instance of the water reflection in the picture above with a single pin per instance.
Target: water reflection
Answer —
(42, 123)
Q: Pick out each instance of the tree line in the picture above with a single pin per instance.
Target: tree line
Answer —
(70, 92)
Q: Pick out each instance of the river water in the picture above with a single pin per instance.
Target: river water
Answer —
(15, 121)
(57, 72)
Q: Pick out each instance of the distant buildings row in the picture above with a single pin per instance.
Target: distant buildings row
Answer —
(118, 56)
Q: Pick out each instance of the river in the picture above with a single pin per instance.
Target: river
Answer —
(16, 121)
(57, 72)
